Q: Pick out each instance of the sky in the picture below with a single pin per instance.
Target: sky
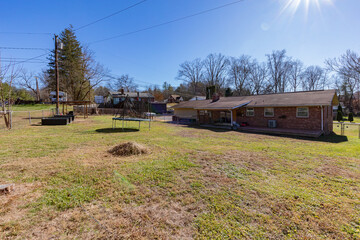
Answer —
(314, 31)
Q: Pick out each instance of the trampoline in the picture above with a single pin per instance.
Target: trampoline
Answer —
(125, 120)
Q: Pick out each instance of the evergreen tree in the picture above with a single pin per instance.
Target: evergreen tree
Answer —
(228, 92)
(340, 109)
(351, 117)
(75, 67)
(339, 116)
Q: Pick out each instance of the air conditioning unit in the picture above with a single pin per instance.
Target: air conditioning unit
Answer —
(272, 123)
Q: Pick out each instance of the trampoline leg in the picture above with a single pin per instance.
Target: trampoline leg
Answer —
(149, 125)
(123, 125)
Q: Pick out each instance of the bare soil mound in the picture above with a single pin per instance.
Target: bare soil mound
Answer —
(128, 149)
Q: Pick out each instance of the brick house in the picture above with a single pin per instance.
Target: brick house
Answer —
(298, 113)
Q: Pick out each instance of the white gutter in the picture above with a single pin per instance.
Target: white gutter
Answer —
(322, 118)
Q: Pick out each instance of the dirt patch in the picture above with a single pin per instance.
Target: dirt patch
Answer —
(128, 149)
(12, 207)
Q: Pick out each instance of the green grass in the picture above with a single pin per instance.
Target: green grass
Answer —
(33, 107)
(195, 183)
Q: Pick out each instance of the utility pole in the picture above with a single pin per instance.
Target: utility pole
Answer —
(37, 89)
(57, 74)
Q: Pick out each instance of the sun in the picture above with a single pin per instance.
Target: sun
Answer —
(292, 6)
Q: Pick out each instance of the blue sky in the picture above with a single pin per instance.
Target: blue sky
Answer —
(252, 27)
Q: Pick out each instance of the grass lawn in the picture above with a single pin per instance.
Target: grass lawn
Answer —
(33, 107)
(20, 115)
(195, 183)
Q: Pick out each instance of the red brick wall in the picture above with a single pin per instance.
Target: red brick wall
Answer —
(313, 122)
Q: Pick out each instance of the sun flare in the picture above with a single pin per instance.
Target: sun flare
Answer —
(292, 6)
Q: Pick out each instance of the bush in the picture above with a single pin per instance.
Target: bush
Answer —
(351, 117)
(339, 116)
(340, 109)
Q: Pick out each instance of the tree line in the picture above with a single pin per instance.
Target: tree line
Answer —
(245, 75)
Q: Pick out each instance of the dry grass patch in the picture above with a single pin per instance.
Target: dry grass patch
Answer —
(12, 208)
(128, 149)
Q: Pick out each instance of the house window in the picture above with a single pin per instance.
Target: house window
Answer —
(302, 112)
(250, 112)
(116, 101)
(268, 112)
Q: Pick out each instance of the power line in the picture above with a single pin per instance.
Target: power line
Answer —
(168, 22)
(16, 62)
(15, 58)
(25, 33)
(116, 77)
(115, 13)
(29, 59)
(24, 48)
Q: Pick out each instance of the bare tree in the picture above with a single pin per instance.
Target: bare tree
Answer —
(93, 74)
(296, 68)
(101, 91)
(192, 73)
(215, 70)
(8, 74)
(124, 82)
(313, 78)
(30, 81)
(279, 67)
(258, 77)
(239, 73)
(347, 66)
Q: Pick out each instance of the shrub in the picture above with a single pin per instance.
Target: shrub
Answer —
(339, 116)
(340, 109)
(351, 117)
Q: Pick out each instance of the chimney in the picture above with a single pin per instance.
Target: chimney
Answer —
(122, 91)
(215, 97)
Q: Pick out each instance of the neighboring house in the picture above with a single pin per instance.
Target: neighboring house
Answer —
(99, 99)
(299, 113)
(116, 98)
(175, 99)
(196, 98)
(62, 96)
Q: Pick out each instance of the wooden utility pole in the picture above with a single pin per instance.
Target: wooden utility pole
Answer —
(57, 74)
(37, 89)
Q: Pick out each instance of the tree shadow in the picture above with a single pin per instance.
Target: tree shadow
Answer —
(116, 130)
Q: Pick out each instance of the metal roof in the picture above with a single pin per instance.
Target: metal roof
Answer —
(296, 99)
(132, 94)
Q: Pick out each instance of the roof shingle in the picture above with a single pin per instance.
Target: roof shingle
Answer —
(310, 98)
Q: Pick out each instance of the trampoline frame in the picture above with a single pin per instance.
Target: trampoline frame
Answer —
(125, 120)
